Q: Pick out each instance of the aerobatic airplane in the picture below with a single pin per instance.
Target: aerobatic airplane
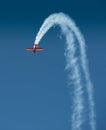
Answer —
(35, 48)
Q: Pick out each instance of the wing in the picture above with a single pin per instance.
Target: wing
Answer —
(39, 49)
(29, 49)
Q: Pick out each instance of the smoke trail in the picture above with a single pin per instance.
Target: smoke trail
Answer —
(74, 64)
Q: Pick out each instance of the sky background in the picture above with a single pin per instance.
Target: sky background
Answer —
(33, 88)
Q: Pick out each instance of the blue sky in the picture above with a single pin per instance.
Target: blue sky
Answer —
(33, 88)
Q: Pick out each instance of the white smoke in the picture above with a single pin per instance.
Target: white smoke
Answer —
(71, 31)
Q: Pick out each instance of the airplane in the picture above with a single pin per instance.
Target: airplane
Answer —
(34, 48)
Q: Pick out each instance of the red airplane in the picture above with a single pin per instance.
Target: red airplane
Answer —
(35, 48)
